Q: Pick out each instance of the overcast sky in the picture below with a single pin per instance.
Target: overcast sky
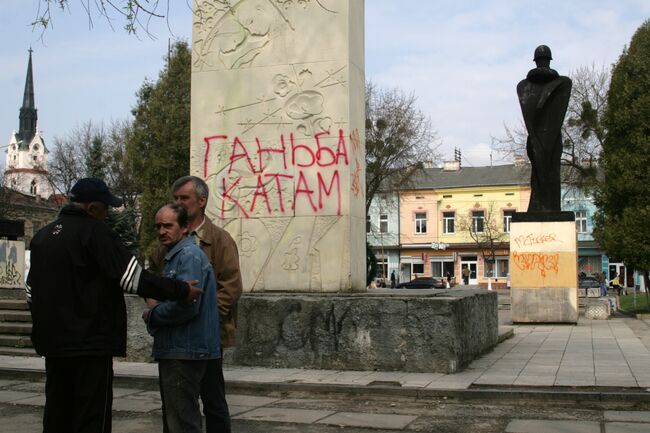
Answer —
(461, 58)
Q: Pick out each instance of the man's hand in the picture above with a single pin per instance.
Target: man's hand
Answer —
(194, 292)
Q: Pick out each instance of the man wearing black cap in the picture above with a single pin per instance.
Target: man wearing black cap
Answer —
(79, 269)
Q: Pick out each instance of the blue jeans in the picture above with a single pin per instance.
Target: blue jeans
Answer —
(180, 386)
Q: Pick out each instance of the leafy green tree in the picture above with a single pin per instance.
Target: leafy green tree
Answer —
(123, 222)
(120, 170)
(158, 143)
(371, 265)
(622, 223)
(95, 160)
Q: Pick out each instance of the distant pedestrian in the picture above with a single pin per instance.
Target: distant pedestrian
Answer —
(448, 279)
(466, 275)
(392, 280)
(616, 284)
(600, 276)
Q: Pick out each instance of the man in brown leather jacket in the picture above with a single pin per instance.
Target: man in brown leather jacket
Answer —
(192, 193)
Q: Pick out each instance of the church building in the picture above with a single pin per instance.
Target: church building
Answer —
(26, 164)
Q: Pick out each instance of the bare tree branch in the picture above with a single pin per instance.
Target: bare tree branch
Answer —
(137, 15)
(399, 138)
(583, 131)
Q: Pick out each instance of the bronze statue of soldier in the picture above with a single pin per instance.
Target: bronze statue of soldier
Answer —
(544, 98)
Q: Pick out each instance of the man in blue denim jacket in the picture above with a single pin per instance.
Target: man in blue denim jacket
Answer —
(186, 336)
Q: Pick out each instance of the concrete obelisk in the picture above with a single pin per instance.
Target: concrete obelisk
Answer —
(277, 130)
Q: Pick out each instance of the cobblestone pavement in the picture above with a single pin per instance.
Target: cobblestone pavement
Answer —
(591, 377)
(138, 410)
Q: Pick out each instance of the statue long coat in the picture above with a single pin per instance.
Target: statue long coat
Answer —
(544, 98)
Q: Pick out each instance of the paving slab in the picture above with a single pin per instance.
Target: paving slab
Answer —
(144, 395)
(535, 380)
(462, 380)
(236, 410)
(5, 382)
(369, 420)
(278, 414)
(249, 400)
(552, 426)
(419, 380)
(627, 415)
(122, 392)
(141, 405)
(310, 376)
(11, 396)
(347, 378)
(625, 427)
(28, 387)
(38, 400)
(496, 379)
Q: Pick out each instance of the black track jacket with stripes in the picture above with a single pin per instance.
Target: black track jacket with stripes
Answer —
(79, 270)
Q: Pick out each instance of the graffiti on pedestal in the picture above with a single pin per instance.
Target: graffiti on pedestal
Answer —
(539, 262)
(12, 264)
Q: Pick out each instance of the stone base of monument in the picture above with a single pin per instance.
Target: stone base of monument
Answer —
(544, 268)
(388, 330)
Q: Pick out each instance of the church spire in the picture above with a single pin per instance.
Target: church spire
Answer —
(28, 116)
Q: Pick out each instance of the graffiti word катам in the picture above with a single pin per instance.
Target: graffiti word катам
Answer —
(292, 159)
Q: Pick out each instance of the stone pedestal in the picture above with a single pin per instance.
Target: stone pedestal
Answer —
(278, 133)
(383, 330)
(544, 268)
(442, 332)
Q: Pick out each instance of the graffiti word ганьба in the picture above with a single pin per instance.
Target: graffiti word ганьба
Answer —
(291, 160)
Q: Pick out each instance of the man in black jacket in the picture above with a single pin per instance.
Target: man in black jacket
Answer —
(79, 271)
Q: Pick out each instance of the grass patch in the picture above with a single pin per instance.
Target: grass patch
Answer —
(627, 303)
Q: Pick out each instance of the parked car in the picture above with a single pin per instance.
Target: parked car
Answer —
(423, 283)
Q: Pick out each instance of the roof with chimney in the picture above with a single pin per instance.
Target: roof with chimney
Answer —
(452, 175)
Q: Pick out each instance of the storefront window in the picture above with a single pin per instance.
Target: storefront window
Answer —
(439, 268)
(500, 270)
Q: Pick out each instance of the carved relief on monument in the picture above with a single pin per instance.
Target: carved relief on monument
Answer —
(277, 133)
(232, 34)
(301, 252)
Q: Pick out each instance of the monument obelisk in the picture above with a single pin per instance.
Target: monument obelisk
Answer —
(277, 130)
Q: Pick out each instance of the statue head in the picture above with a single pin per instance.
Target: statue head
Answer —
(542, 56)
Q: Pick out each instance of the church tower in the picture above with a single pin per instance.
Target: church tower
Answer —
(26, 165)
